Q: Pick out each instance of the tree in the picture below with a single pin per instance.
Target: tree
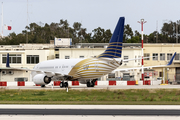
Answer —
(168, 31)
(43, 33)
(107, 35)
(152, 37)
(75, 32)
(134, 39)
(128, 33)
(81, 34)
(98, 35)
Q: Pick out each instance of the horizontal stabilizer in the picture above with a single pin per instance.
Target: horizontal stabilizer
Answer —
(170, 62)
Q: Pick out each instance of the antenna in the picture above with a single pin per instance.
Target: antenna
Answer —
(177, 32)
(81, 33)
(27, 25)
(157, 31)
(2, 19)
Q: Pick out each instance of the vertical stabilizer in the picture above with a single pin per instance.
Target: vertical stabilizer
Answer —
(114, 48)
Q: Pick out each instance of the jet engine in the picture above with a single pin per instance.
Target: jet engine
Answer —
(41, 79)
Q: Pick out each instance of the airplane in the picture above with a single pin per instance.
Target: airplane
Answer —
(86, 70)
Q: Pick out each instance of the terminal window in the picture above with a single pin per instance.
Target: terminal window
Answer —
(177, 56)
(169, 56)
(162, 56)
(57, 56)
(125, 58)
(81, 56)
(67, 57)
(146, 55)
(155, 56)
(13, 58)
(32, 59)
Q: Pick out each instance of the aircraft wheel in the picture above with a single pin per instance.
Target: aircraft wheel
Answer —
(66, 84)
(42, 85)
(92, 83)
(61, 84)
(88, 84)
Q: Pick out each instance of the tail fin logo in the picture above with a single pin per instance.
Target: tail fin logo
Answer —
(114, 48)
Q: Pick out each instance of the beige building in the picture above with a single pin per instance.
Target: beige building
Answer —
(163, 53)
(28, 55)
(22, 56)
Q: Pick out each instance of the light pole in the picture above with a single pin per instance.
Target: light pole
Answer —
(142, 74)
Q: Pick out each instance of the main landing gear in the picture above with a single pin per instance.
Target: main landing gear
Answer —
(63, 84)
(90, 83)
(42, 86)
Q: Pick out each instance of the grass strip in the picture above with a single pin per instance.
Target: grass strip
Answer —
(92, 97)
(88, 103)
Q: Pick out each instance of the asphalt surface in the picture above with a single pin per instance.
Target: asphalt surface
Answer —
(89, 112)
(100, 87)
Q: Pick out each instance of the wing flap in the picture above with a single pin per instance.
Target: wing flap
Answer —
(59, 74)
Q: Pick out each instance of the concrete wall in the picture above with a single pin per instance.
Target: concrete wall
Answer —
(99, 83)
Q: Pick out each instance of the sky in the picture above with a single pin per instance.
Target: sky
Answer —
(91, 13)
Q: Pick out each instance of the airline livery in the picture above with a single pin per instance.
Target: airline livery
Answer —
(86, 71)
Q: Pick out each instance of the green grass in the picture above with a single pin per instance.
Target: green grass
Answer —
(104, 96)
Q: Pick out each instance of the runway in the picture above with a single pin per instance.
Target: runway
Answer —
(89, 112)
(112, 110)
(99, 87)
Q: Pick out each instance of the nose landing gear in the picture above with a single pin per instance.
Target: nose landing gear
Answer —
(42, 86)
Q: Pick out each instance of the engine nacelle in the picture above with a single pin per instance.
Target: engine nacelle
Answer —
(41, 79)
(120, 63)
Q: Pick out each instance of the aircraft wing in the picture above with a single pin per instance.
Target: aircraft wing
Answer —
(53, 74)
(48, 73)
(126, 69)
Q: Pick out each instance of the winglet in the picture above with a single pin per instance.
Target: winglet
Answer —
(7, 60)
(170, 62)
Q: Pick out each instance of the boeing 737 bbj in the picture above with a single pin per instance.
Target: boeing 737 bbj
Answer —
(86, 71)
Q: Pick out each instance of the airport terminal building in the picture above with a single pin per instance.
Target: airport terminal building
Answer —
(28, 55)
